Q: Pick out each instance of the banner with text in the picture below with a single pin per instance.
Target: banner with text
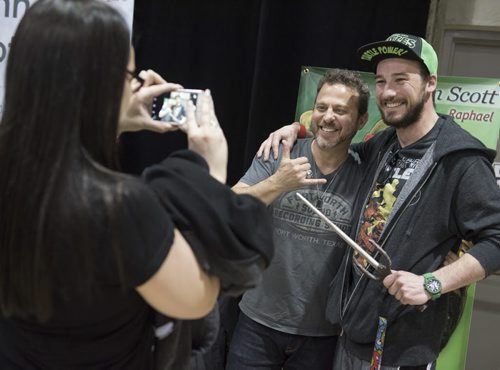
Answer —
(473, 102)
(11, 12)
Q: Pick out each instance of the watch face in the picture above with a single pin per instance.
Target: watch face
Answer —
(433, 286)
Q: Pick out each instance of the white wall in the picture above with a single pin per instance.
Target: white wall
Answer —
(473, 12)
(11, 12)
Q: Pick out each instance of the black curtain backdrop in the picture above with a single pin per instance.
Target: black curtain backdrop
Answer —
(249, 54)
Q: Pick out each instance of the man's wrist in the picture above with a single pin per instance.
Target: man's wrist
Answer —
(432, 286)
(302, 131)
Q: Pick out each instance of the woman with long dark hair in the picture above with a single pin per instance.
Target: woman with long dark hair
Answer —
(86, 252)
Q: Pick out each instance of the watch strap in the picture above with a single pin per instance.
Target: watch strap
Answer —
(428, 277)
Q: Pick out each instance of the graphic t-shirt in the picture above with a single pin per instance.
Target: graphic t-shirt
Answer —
(292, 296)
(398, 168)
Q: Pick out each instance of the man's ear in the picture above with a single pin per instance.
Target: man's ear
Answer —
(432, 83)
(362, 120)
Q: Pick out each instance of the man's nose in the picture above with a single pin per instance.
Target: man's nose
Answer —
(329, 115)
(388, 91)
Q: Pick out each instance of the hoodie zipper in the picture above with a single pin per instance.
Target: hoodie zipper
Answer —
(342, 311)
(385, 235)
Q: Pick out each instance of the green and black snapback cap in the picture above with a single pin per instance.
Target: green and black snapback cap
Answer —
(399, 45)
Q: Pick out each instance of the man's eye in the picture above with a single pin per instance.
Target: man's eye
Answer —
(320, 108)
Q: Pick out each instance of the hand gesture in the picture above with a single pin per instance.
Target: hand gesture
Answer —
(206, 137)
(137, 116)
(294, 173)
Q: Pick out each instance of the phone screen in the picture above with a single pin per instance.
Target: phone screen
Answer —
(172, 107)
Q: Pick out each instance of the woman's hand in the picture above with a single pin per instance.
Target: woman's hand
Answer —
(137, 116)
(206, 137)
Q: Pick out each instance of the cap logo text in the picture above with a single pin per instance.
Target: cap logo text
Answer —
(402, 39)
(369, 54)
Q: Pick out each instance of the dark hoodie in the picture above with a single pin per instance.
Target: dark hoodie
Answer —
(453, 196)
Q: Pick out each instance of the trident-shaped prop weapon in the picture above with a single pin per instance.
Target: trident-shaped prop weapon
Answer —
(382, 267)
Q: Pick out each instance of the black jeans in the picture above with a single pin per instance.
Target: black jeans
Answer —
(255, 346)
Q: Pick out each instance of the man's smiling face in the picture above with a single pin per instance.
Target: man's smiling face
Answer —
(400, 91)
(335, 119)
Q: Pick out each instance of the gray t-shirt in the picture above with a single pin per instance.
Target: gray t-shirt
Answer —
(292, 296)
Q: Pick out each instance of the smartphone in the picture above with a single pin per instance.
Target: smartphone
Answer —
(172, 106)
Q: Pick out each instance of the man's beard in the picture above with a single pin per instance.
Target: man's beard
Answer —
(343, 135)
(412, 116)
(324, 144)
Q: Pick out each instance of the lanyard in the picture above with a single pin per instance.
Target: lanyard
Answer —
(378, 347)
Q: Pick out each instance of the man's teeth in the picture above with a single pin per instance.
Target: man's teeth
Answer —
(393, 105)
(328, 129)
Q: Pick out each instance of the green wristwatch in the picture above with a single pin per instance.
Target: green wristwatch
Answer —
(432, 286)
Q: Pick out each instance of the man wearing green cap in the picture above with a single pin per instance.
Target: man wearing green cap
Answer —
(432, 186)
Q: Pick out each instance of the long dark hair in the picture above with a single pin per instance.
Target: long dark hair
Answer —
(64, 82)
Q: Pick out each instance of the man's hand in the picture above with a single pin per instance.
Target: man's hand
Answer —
(292, 174)
(406, 287)
(286, 133)
(137, 116)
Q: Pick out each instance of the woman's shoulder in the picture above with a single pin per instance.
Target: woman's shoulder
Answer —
(123, 197)
(135, 197)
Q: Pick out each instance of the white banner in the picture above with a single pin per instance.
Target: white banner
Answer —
(11, 12)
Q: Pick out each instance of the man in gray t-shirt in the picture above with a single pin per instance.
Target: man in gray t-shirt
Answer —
(283, 323)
